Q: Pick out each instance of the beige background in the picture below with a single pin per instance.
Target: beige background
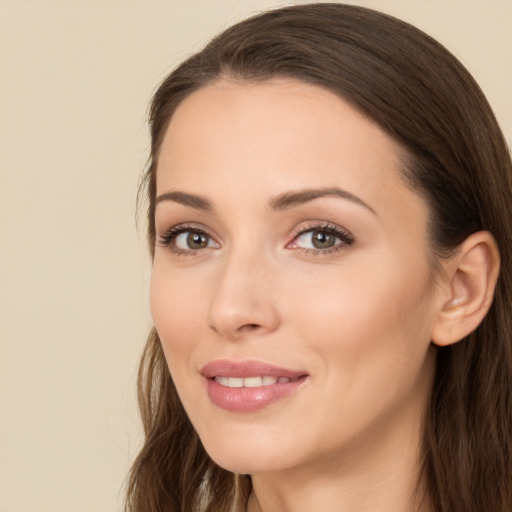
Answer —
(75, 79)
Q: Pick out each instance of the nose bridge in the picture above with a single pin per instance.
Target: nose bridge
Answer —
(242, 300)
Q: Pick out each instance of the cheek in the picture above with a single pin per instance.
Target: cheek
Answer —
(369, 341)
(175, 304)
(369, 323)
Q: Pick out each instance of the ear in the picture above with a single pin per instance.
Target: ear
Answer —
(471, 280)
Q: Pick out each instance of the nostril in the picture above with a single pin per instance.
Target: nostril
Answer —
(249, 327)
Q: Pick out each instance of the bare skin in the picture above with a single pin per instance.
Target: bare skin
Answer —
(334, 283)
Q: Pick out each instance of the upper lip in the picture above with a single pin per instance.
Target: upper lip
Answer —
(226, 368)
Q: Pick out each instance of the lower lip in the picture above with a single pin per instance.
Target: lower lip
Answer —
(249, 399)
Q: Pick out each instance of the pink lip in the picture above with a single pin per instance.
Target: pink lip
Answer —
(248, 399)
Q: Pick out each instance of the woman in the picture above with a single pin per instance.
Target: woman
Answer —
(329, 223)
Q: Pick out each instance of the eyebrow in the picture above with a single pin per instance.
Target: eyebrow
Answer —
(292, 199)
(281, 202)
(191, 200)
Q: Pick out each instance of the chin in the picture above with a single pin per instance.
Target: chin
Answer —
(247, 457)
(242, 465)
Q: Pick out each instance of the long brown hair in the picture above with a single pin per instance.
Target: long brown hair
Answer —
(457, 159)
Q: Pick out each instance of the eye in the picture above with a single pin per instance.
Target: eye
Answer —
(316, 240)
(324, 238)
(192, 240)
(182, 239)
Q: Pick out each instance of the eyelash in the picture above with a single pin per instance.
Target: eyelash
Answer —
(168, 238)
(346, 238)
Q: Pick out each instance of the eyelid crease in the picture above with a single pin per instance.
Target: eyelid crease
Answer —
(345, 237)
(323, 226)
(169, 235)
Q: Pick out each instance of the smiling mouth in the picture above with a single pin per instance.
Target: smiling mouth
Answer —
(250, 394)
(252, 382)
(248, 386)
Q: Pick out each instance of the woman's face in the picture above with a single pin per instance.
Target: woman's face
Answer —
(291, 285)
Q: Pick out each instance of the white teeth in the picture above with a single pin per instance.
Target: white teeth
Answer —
(235, 382)
(250, 382)
(253, 382)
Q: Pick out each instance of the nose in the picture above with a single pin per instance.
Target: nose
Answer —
(243, 302)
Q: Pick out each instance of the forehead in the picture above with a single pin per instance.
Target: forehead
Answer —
(243, 139)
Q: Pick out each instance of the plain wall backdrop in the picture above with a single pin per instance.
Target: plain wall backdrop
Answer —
(75, 80)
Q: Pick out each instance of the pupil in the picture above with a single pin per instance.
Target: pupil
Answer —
(197, 240)
(322, 240)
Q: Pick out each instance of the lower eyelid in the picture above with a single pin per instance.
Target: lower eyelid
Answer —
(169, 239)
(344, 236)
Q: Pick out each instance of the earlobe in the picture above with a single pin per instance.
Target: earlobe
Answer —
(472, 275)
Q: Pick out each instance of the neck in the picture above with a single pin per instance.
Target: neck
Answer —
(378, 476)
